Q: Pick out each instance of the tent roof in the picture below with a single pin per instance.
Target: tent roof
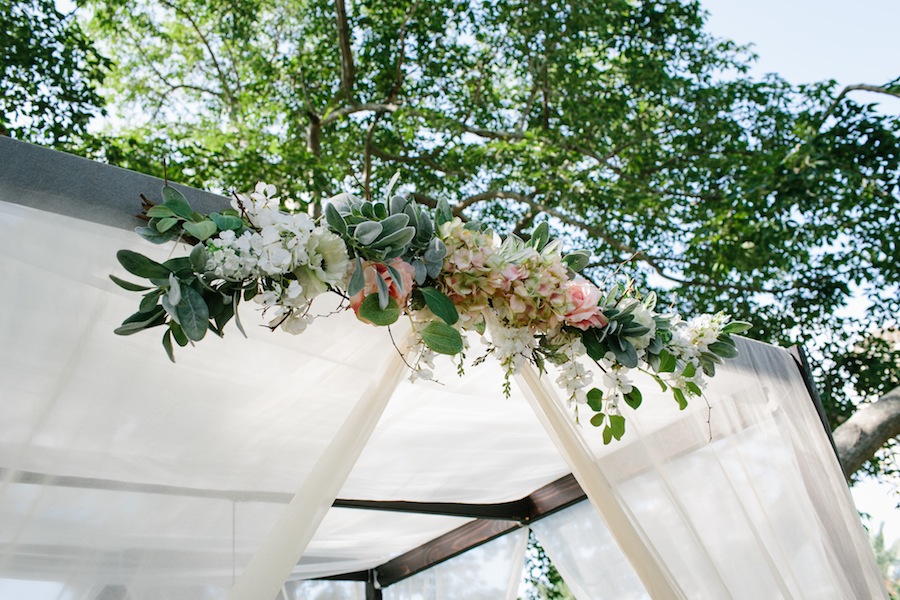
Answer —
(118, 466)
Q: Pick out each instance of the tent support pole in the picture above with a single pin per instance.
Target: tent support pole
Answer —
(653, 573)
(281, 550)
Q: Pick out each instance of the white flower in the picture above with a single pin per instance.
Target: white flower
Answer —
(327, 263)
(703, 330)
(617, 382)
(644, 317)
(296, 323)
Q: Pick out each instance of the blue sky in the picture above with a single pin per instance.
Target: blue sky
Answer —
(814, 40)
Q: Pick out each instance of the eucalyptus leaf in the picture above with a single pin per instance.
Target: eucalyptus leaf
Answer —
(152, 235)
(398, 279)
(540, 236)
(391, 184)
(577, 260)
(383, 292)
(226, 222)
(433, 269)
(443, 214)
(149, 301)
(367, 232)
(180, 265)
(167, 344)
(178, 334)
(398, 239)
(140, 265)
(334, 219)
(198, 258)
(166, 224)
(193, 314)
(160, 211)
(237, 318)
(174, 293)
(398, 204)
(421, 273)
(140, 321)
(127, 285)
(357, 279)
(176, 202)
(627, 355)
(737, 327)
(394, 223)
(723, 350)
(436, 251)
(202, 230)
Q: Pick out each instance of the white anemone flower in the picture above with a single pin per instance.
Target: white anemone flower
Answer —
(327, 263)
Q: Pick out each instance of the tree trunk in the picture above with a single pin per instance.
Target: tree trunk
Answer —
(867, 430)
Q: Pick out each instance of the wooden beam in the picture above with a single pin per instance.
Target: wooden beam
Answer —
(443, 548)
(543, 502)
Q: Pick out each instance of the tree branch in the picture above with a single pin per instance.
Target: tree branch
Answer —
(868, 429)
(856, 87)
(401, 41)
(348, 71)
(366, 106)
(223, 81)
(426, 159)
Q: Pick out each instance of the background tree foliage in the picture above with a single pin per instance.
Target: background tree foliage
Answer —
(620, 122)
(49, 71)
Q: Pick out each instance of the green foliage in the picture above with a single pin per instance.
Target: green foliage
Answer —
(542, 580)
(181, 296)
(49, 74)
(442, 338)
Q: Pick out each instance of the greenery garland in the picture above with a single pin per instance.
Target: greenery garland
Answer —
(395, 257)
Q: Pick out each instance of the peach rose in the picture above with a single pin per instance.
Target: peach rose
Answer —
(373, 270)
(584, 298)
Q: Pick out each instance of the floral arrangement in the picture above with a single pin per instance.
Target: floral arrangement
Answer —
(395, 257)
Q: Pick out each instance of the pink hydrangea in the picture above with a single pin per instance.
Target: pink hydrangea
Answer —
(371, 270)
(584, 299)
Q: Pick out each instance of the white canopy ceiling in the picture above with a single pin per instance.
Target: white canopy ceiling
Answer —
(127, 476)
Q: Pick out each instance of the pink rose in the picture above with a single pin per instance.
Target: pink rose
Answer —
(584, 298)
(373, 270)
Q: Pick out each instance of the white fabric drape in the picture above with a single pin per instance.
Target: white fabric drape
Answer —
(492, 571)
(586, 555)
(740, 498)
(281, 550)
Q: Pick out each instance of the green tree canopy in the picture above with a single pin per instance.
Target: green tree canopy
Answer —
(49, 73)
(622, 123)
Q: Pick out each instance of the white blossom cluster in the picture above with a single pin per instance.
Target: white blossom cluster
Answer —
(512, 346)
(617, 385)
(572, 376)
(295, 259)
